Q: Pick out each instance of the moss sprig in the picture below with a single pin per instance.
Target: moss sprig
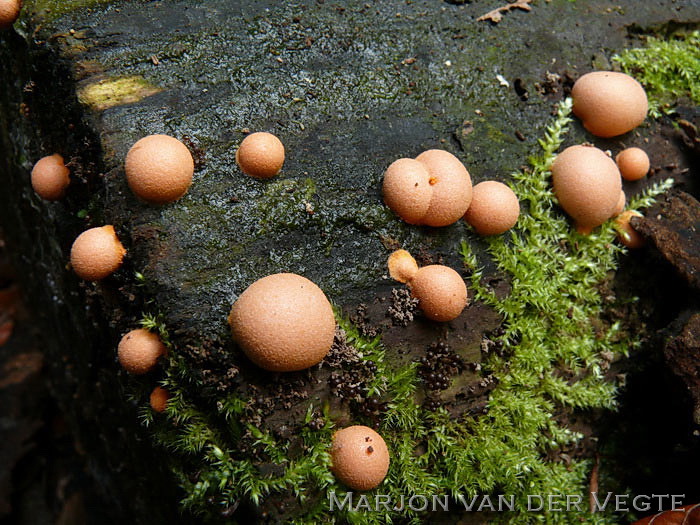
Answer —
(668, 70)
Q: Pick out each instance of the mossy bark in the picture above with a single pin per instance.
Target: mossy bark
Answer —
(348, 89)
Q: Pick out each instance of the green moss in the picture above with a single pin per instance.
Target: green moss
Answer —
(668, 69)
(552, 364)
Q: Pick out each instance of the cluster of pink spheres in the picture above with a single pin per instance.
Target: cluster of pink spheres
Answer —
(284, 322)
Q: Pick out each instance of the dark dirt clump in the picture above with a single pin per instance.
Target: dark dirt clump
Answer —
(214, 365)
(438, 366)
(403, 308)
(683, 356)
(341, 353)
(359, 319)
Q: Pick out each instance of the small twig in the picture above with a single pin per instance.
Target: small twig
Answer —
(496, 15)
(593, 485)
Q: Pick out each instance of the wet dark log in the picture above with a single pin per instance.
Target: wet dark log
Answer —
(683, 355)
(675, 233)
(349, 88)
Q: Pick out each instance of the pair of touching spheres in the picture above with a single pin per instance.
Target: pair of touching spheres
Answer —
(435, 189)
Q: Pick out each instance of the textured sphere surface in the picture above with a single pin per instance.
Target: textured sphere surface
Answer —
(97, 253)
(587, 183)
(441, 292)
(9, 12)
(50, 177)
(407, 190)
(633, 163)
(609, 103)
(139, 351)
(359, 457)
(159, 169)
(159, 399)
(494, 209)
(261, 155)
(283, 322)
(452, 187)
(620, 206)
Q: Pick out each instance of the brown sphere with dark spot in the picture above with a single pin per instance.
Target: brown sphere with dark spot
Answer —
(441, 292)
(283, 322)
(407, 190)
(633, 163)
(9, 12)
(588, 184)
(359, 457)
(97, 253)
(159, 169)
(50, 177)
(159, 399)
(139, 351)
(494, 209)
(452, 187)
(260, 155)
(609, 103)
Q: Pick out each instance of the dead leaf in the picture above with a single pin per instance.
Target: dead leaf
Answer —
(496, 15)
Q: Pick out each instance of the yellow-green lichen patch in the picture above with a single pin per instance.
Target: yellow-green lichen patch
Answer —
(110, 92)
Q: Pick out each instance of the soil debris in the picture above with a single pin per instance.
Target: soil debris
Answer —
(351, 383)
(341, 353)
(439, 364)
(683, 356)
(214, 364)
(555, 83)
(403, 307)
(361, 320)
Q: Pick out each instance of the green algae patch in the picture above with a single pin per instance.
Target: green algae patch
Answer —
(107, 93)
(287, 204)
(52, 9)
(668, 69)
